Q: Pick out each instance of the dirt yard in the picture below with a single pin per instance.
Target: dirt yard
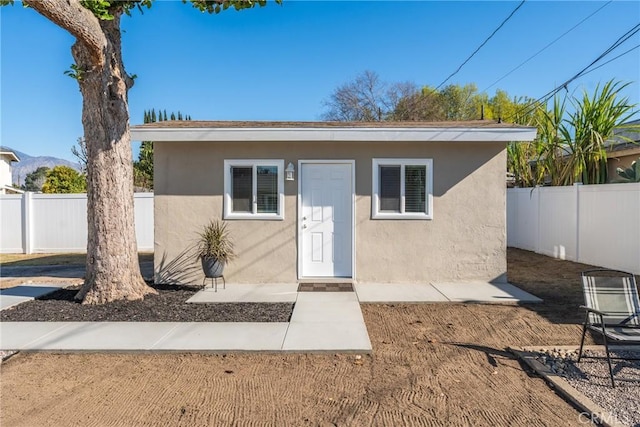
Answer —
(432, 364)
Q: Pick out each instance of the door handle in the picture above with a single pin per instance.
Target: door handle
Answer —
(304, 226)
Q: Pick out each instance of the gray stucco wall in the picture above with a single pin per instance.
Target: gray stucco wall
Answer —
(466, 240)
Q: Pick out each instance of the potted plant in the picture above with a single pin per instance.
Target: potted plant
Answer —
(215, 248)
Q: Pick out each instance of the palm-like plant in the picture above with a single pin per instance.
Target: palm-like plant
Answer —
(552, 145)
(519, 156)
(573, 149)
(593, 124)
(215, 242)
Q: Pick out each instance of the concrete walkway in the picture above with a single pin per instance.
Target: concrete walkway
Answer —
(321, 321)
(26, 292)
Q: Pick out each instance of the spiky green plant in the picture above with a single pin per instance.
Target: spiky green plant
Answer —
(593, 124)
(215, 242)
(630, 174)
(519, 156)
(551, 143)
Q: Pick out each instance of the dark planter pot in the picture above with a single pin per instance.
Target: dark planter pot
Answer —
(212, 268)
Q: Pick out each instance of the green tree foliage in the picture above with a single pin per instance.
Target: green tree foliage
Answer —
(63, 179)
(35, 180)
(143, 167)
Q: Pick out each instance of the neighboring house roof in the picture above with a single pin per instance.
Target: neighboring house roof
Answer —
(13, 190)
(11, 155)
(468, 131)
(625, 139)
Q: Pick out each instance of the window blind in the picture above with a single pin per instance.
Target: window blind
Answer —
(267, 189)
(390, 188)
(414, 188)
(241, 188)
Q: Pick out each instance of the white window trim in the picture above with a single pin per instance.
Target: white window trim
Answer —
(375, 189)
(228, 203)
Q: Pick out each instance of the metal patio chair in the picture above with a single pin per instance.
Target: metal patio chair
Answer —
(612, 310)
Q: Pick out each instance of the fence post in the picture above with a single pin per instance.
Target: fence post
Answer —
(576, 186)
(538, 191)
(27, 222)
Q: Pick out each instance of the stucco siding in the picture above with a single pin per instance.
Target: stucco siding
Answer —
(466, 240)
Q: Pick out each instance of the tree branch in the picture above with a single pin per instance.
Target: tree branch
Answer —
(77, 20)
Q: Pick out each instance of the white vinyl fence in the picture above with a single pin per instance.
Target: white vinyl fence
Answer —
(591, 224)
(49, 223)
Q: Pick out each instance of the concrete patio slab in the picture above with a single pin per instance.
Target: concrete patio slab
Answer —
(225, 337)
(272, 292)
(19, 294)
(398, 292)
(484, 292)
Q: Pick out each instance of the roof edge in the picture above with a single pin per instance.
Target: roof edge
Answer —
(14, 157)
(329, 134)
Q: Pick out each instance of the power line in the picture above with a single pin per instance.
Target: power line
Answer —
(481, 45)
(626, 36)
(612, 59)
(546, 47)
(623, 38)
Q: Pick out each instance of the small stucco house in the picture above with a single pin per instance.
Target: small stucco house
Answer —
(380, 202)
(6, 185)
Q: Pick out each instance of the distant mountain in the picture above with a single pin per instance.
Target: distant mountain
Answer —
(28, 164)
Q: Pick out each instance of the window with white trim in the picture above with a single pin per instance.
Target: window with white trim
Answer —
(254, 189)
(402, 189)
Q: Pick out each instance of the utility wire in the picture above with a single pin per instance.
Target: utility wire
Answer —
(481, 45)
(546, 47)
(543, 99)
(626, 36)
(612, 59)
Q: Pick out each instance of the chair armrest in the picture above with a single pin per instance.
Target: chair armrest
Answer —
(593, 310)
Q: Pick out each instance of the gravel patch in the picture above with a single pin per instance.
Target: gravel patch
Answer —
(168, 306)
(591, 378)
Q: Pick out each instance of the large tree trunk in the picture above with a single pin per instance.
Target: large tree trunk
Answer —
(113, 272)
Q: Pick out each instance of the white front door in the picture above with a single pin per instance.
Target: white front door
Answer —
(326, 219)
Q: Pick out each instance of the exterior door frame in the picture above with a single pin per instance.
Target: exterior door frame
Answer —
(353, 213)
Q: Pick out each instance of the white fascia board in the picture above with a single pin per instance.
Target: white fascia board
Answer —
(335, 134)
(11, 155)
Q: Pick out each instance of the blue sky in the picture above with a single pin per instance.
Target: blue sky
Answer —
(281, 62)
